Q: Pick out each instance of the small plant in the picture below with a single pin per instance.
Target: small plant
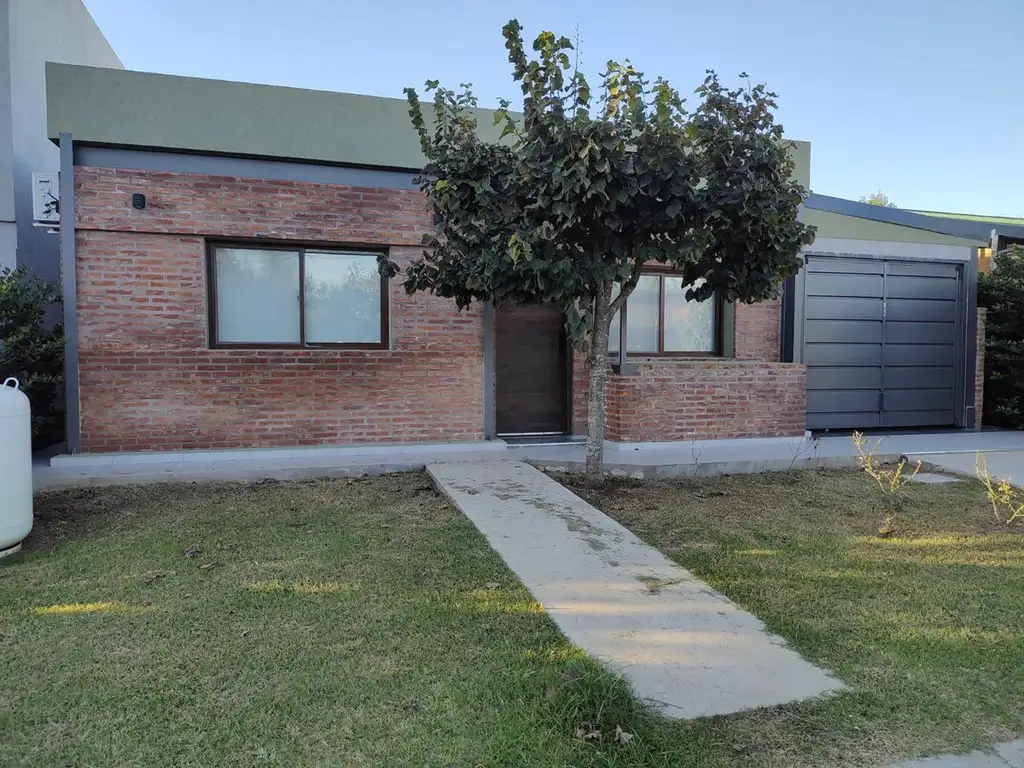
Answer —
(890, 478)
(1006, 505)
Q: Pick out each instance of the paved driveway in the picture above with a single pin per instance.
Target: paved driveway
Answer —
(1001, 464)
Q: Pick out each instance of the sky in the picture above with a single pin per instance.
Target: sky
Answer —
(921, 99)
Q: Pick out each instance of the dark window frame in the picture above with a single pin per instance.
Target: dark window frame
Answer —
(300, 249)
(719, 330)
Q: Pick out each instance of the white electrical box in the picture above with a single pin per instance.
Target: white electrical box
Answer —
(45, 200)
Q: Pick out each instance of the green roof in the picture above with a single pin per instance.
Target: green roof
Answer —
(973, 217)
(122, 108)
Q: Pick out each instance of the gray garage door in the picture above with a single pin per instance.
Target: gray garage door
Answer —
(880, 343)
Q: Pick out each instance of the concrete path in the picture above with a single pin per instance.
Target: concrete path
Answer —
(682, 645)
(1009, 755)
(1001, 464)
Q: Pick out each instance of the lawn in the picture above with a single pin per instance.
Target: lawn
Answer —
(305, 624)
(367, 623)
(926, 625)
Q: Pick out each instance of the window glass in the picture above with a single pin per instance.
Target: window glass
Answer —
(689, 325)
(342, 298)
(642, 315)
(683, 326)
(257, 296)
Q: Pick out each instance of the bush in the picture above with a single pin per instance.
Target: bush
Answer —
(1002, 293)
(31, 352)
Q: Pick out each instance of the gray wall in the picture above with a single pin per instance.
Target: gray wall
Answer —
(8, 233)
(33, 32)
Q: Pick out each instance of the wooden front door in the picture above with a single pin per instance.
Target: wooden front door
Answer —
(531, 368)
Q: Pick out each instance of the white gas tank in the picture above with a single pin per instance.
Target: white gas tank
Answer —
(15, 467)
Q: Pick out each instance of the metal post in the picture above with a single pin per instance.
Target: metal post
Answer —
(72, 413)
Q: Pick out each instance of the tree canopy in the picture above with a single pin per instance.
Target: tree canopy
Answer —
(582, 193)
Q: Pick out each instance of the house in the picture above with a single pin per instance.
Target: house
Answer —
(33, 32)
(219, 243)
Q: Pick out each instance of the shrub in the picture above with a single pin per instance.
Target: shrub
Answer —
(32, 352)
(1002, 293)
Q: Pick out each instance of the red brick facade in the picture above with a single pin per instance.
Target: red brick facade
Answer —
(979, 369)
(148, 377)
(150, 380)
(757, 330)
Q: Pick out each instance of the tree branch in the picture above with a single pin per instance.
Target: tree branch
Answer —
(627, 287)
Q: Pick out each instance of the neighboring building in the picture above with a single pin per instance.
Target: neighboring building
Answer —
(33, 32)
(223, 240)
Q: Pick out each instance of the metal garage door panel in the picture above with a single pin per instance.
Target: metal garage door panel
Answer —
(920, 333)
(920, 310)
(829, 307)
(918, 400)
(843, 354)
(918, 418)
(916, 287)
(919, 354)
(821, 284)
(859, 379)
(924, 269)
(908, 377)
(843, 400)
(856, 266)
(844, 331)
(865, 420)
(844, 378)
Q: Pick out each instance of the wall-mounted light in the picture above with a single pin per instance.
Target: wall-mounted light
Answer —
(138, 201)
(985, 260)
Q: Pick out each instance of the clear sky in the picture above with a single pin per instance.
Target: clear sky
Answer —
(920, 98)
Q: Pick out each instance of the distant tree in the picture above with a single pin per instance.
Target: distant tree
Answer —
(578, 198)
(878, 198)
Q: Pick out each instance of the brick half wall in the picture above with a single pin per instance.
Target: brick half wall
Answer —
(707, 399)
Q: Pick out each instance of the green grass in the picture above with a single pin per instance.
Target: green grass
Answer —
(925, 626)
(366, 623)
(354, 623)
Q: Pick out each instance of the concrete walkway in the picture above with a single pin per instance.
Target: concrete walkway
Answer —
(682, 645)
(1009, 755)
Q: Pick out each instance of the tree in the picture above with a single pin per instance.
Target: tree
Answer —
(578, 197)
(879, 198)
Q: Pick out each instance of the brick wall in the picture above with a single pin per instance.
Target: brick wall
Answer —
(979, 369)
(757, 330)
(706, 399)
(148, 377)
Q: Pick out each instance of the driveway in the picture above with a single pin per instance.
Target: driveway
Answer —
(1001, 464)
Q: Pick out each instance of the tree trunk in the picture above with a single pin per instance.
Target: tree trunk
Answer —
(598, 385)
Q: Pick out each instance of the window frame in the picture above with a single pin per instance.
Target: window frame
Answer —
(300, 249)
(719, 329)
